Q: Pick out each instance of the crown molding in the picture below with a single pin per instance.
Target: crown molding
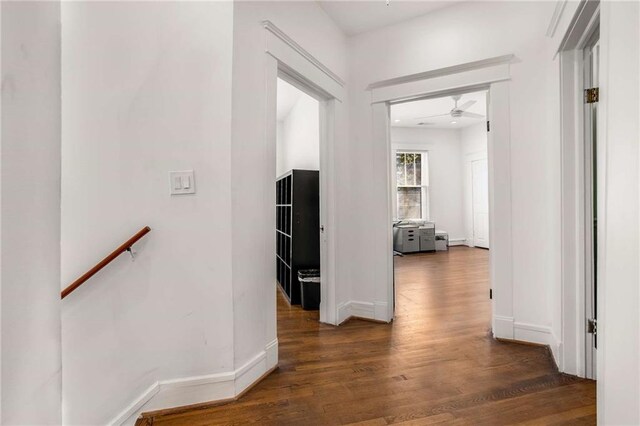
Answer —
(272, 28)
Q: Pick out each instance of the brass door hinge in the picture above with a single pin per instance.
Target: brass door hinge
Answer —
(591, 95)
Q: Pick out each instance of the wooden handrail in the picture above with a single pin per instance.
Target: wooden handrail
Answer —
(104, 262)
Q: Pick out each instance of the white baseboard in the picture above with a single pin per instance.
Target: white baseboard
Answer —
(344, 312)
(556, 350)
(199, 389)
(508, 329)
(532, 333)
(377, 311)
(362, 309)
(380, 311)
(502, 327)
(457, 242)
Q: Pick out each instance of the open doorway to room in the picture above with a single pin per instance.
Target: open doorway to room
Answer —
(440, 205)
(297, 201)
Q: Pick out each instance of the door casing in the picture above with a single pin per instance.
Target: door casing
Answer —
(492, 74)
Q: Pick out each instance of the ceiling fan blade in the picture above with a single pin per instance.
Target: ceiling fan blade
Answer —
(466, 105)
(431, 116)
(471, 115)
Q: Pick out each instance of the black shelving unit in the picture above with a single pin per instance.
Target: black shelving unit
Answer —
(297, 228)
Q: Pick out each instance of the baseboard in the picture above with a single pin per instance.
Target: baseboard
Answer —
(343, 312)
(457, 242)
(375, 311)
(556, 350)
(219, 387)
(503, 327)
(532, 333)
(362, 309)
(536, 334)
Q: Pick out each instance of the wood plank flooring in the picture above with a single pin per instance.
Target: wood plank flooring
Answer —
(435, 364)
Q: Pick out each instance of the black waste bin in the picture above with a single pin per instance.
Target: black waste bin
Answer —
(309, 289)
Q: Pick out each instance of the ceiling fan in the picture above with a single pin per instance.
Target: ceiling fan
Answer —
(457, 111)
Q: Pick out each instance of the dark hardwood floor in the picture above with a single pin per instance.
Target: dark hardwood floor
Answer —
(436, 363)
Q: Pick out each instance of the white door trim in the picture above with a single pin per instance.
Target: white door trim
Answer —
(286, 58)
(572, 342)
(494, 74)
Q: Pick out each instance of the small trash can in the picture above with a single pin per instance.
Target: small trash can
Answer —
(309, 289)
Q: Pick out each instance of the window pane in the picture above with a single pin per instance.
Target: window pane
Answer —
(409, 203)
(400, 160)
(418, 163)
(410, 178)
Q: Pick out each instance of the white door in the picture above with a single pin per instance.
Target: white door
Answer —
(480, 189)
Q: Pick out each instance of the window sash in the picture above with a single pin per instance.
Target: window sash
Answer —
(416, 164)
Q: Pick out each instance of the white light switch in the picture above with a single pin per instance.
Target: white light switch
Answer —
(182, 182)
(186, 182)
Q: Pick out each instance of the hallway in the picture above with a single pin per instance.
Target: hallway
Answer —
(436, 363)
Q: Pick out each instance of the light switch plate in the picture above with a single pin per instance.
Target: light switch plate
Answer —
(182, 182)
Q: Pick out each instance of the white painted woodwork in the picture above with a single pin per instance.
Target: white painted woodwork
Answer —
(618, 386)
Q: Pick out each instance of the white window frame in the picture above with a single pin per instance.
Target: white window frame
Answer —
(424, 175)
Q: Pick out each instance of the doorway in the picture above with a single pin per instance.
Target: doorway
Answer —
(297, 201)
(440, 192)
(492, 75)
(287, 60)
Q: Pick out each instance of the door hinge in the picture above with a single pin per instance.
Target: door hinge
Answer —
(591, 95)
(488, 126)
(490, 293)
(592, 326)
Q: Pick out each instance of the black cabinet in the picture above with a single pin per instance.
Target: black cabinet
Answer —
(297, 228)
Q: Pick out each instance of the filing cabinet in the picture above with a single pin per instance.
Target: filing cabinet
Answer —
(427, 236)
(406, 238)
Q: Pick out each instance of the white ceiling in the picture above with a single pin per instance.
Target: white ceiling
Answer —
(409, 114)
(358, 16)
(287, 96)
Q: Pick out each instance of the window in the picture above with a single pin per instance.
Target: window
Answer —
(412, 185)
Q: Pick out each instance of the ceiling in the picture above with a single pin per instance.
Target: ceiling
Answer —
(358, 16)
(287, 96)
(409, 114)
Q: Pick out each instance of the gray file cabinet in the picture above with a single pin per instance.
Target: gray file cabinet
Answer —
(406, 238)
(427, 235)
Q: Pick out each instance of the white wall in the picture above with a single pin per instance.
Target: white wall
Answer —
(146, 89)
(254, 162)
(473, 138)
(30, 226)
(473, 146)
(445, 173)
(454, 35)
(619, 220)
(298, 145)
